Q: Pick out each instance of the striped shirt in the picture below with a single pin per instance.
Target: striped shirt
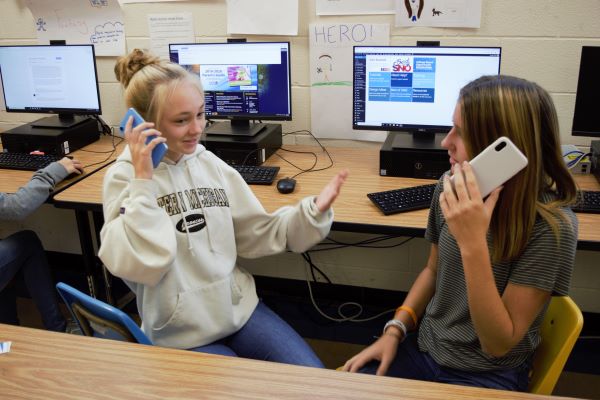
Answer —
(447, 332)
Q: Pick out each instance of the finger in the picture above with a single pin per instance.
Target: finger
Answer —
(384, 365)
(471, 181)
(492, 199)
(460, 187)
(449, 196)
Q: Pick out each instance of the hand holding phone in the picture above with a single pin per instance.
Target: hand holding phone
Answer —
(496, 164)
(159, 151)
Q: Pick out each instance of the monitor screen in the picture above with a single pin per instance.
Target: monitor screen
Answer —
(586, 119)
(59, 79)
(415, 89)
(242, 81)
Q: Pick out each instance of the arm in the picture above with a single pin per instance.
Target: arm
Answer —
(296, 228)
(500, 321)
(17, 206)
(385, 348)
(138, 239)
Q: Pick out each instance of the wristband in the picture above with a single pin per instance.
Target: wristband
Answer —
(398, 324)
(410, 312)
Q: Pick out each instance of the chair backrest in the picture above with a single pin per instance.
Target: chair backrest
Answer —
(559, 331)
(96, 318)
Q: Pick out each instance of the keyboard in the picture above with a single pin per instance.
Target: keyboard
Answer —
(406, 199)
(587, 202)
(257, 174)
(26, 161)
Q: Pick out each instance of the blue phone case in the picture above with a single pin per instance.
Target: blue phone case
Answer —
(159, 151)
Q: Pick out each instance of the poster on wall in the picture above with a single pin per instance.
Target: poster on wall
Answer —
(262, 17)
(331, 48)
(97, 22)
(439, 13)
(169, 28)
(355, 7)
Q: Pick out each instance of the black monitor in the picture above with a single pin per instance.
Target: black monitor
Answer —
(586, 118)
(414, 89)
(243, 82)
(52, 79)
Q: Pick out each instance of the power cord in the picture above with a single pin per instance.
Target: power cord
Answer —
(316, 157)
(311, 268)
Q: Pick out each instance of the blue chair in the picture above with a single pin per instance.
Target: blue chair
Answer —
(98, 319)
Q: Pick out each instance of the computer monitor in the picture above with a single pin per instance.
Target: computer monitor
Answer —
(243, 82)
(586, 118)
(52, 79)
(414, 89)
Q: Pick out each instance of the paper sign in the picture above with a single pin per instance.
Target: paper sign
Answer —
(262, 17)
(169, 28)
(439, 13)
(355, 7)
(97, 22)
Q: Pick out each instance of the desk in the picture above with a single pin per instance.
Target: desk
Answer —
(354, 212)
(93, 157)
(49, 365)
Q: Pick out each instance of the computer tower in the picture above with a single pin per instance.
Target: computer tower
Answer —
(245, 150)
(407, 156)
(27, 138)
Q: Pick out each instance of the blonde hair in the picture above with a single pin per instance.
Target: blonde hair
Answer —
(494, 106)
(150, 81)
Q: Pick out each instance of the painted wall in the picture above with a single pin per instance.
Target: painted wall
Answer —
(540, 40)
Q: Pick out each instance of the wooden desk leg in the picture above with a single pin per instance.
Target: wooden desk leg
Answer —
(87, 249)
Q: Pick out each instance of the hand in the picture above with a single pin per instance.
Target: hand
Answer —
(331, 191)
(384, 350)
(72, 166)
(141, 153)
(467, 215)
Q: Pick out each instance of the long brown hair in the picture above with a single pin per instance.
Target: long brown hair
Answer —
(494, 106)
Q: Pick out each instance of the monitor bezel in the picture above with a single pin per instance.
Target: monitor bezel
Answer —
(251, 117)
(579, 109)
(411, 128)
(57, 110)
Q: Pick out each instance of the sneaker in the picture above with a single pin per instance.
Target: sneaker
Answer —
(73, 327)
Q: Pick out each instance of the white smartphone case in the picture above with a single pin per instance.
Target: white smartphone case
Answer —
(496, 164)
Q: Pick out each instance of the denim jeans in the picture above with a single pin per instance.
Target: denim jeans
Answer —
(22, 256)
(411, 363)
(265, 337)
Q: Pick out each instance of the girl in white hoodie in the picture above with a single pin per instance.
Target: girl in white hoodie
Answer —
(174, 233)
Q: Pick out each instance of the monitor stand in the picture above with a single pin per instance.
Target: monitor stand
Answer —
(235, 127)
(417, 140)
(60, 121)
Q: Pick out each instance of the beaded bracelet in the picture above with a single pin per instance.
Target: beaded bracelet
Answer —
(398, 324)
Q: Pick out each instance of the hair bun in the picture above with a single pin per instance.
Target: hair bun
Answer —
(128, 65)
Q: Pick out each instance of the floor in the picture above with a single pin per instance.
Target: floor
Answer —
(335, 353)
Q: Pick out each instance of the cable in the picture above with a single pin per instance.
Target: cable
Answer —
(312, 168)
(109, 152)
(311, 268)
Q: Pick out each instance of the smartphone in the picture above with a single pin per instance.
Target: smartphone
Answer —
(496, 164)
(159, 151)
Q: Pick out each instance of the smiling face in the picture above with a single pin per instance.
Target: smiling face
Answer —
(454, 141)
(183, 120)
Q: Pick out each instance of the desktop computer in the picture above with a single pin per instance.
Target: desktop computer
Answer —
(58, 141)
(401, 156)
(245, 150)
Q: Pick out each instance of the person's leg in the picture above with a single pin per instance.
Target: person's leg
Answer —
(516, 379)
(215, 348)
(409, 363)
(11, 255)
(29, 252)
(267, 337)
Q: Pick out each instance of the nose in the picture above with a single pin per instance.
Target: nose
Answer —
(447, 140)
(198, 126)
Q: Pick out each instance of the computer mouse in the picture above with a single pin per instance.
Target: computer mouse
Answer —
(286, 185)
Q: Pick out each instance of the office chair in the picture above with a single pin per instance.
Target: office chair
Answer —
(559, 330)
(96, 318)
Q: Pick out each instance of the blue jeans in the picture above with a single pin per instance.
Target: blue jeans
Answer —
(265, 337)
(411, 363)
(22, 256)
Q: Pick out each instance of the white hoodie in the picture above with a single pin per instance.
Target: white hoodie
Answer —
(190, 292)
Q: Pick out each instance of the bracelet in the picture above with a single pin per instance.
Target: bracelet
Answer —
(410, 312)
(398, 324)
